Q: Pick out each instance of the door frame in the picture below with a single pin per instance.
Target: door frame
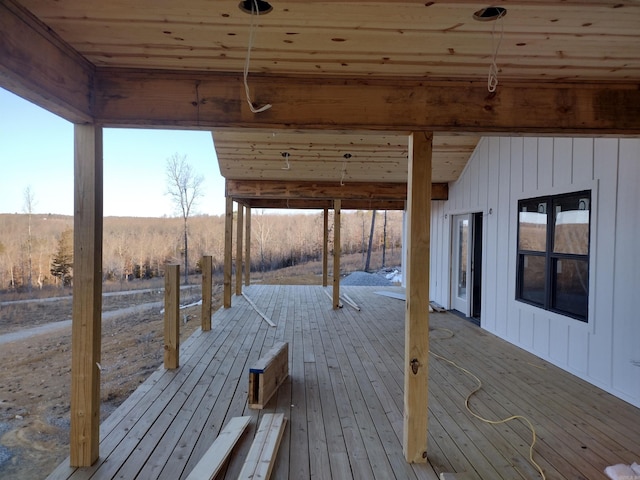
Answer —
(471, 307)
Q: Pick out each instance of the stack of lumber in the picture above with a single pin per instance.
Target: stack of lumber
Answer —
(261, 457)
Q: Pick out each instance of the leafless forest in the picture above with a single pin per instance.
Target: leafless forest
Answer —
(36, 250)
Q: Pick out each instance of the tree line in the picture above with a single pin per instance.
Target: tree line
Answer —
(36, 250)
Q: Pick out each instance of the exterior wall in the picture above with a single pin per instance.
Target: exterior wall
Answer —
(606, 350)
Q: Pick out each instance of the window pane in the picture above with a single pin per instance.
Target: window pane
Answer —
(533, 278)
(571, 218)
(463, 244)
(571, 281)
(532, 225)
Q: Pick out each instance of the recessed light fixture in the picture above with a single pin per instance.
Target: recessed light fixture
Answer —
(249, 6)
(489, 13)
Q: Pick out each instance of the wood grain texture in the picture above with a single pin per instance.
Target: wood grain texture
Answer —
(239, 251)
(172, 316)
(220, 449)
(325, 247)
(206, 265)
(336, 253)
(542, 40)
(319, 155)
(38, 65)
(228, 248)
(345, 402)
(262, 455)
(416, 367)
(400, 105)
(267, 374)
(86, 330)
(247, 246)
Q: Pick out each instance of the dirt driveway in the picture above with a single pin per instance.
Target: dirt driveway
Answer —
(35, 375)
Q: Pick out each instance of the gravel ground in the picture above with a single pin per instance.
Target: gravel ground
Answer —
(364, 279)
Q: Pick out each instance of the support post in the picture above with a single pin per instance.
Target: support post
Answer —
(247, 248)
(336, 253)
(86, 329)
(171, 316)
(325, 248)
(206, 265)
(239, 232)
(228, 246)
(416, 368)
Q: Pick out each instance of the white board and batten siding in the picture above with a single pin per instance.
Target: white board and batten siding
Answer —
(606, 350)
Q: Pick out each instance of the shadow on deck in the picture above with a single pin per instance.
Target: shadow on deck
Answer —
(344, 400)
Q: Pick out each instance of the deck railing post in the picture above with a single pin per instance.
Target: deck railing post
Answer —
(171, 316)
(337, 204)
(325, 247)
(247, 246)
(228, 246)
(207, 288)
(239, 229)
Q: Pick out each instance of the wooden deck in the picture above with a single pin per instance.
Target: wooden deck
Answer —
(344, 400)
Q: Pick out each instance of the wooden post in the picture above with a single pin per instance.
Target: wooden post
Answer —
(325, 248)
(240, 228)
(336, 253)
(228, 246)
(87, 296)
(416, 369)
(172, 316)
(247, 248)
(207, 289)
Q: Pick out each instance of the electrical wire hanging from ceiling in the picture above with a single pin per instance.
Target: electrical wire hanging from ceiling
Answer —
(247, 61)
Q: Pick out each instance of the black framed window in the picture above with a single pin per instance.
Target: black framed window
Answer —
(553, 253)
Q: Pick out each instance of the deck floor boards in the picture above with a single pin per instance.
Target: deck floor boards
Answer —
(344, 399)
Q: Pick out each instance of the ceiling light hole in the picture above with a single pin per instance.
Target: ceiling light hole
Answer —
(249, 6)
(489, 13)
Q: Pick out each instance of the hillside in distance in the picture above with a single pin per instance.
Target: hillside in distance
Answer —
(135, 247)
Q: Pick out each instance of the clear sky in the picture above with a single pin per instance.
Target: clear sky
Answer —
(36, 151)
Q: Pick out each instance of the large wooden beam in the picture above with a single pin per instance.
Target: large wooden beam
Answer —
(37, 65)
(228, 247)
(217, 100)
(336, 253)
(87, 296)
(320, 204)
(315, 190)
(416, 369)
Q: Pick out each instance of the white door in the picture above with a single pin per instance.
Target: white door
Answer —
(461, 269)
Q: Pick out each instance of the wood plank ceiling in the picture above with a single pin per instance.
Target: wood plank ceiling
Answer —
(537, 42)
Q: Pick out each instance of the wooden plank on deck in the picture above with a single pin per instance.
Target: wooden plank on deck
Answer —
(212, 461)
(264, 448)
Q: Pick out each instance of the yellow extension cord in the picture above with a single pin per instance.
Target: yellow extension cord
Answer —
(486, 420)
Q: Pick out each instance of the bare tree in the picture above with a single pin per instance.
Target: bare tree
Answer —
(27, 207)
(384, 241)
(373, 223)
(184, 187)
(263, 234)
